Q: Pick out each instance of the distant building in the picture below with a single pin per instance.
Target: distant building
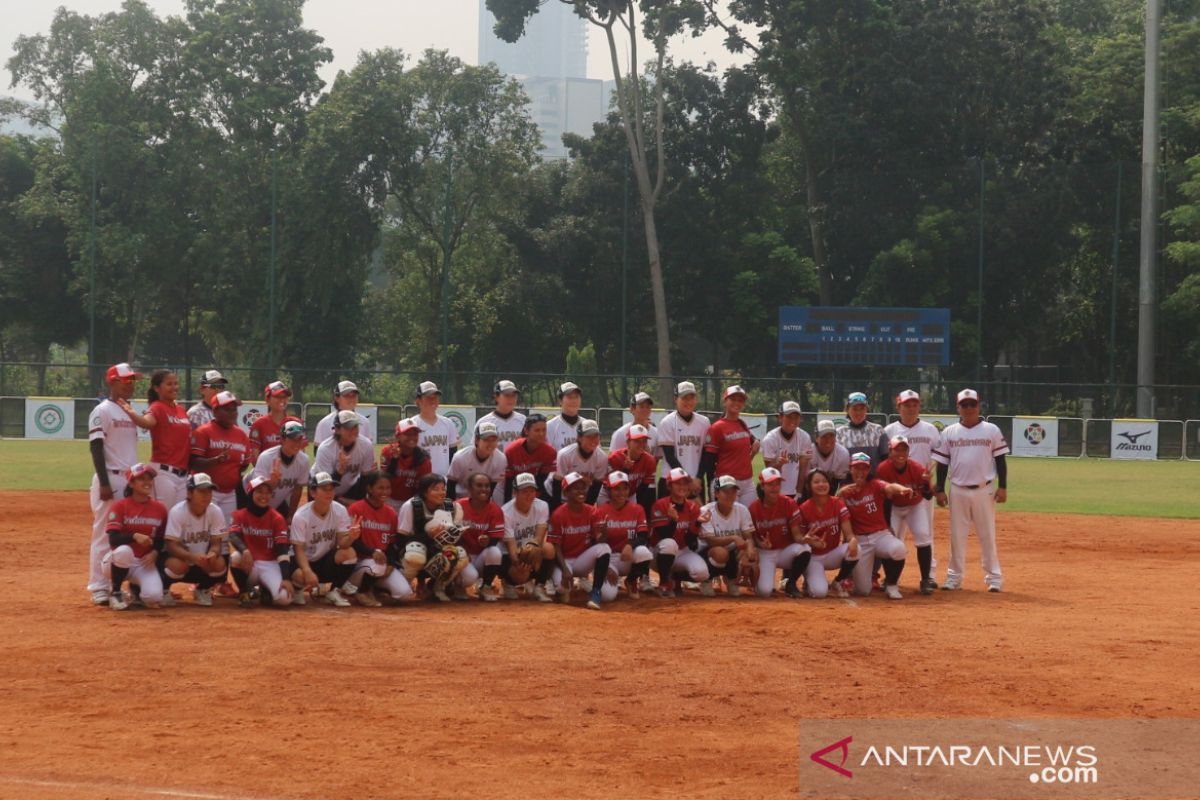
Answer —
(550, 60)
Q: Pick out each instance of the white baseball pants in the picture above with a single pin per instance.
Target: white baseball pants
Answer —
(146, 579)
(815, 579)
(393, 582)
(581, 566)
(687, 561)
(169, 489)
(771, 560)
(620, 568)
(269, 576)
(915, 519)
(873, 546)
(97, 579)
(973, 507)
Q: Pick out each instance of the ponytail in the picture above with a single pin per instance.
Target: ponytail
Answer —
(156, 379)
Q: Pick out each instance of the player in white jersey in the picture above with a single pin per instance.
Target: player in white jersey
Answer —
(346, 455)
(641, 405)
(971, 454)
(586, 457)
(788, 448)
(829, 456)
(286, 468)
(321, 536)
(439, 435)
(484, 456)
(923, 437)
(725, 526)
(112, 439)
(526, 519)
(345, 398)
(195, 528)
(563, 428)
(508, 421)
(681, 437)
(211, 385)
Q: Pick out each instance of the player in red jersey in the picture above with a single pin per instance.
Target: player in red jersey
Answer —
(729, 447)
(135, 528)
(825, 521)
(374, 545)
(912, 512)
(222, 449)
(530, 454)
(778, 542)
(483, 534)
(627, 535)
(675, 521)
(639, 466)
(267, 430)
(865, 499)
(170, 436)
(259, 535)
(404, 463)
(578, 540)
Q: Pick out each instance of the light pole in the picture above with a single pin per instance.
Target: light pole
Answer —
(446, 229)
(1149, 239)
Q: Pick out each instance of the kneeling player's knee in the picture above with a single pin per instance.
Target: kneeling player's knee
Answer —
(547, 550)
(718, 556)
(668, 547)
(175, 569)
(123, 557)
(492, 556)
(642, 554)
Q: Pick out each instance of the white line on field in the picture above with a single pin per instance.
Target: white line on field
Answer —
(154, 791)
(404, 617)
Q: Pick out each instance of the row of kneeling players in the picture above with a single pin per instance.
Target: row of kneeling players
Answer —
(441, 549)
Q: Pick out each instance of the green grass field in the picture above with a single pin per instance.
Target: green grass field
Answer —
(1074, 486)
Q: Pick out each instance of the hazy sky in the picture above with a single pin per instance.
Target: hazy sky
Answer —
(353, 25)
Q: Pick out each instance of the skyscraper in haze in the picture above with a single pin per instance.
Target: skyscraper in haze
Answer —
(550, 60)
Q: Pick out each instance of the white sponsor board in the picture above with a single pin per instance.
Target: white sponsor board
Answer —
(49, 418)
(1134, 439)
(463, 418)
(1034, 436)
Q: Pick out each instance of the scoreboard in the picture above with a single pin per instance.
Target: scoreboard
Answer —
(902, 337)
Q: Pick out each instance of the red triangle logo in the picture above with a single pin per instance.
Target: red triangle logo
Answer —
(844, 747)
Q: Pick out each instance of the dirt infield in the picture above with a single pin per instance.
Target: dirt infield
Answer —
(692, 697)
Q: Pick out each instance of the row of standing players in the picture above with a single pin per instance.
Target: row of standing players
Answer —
(686, 442)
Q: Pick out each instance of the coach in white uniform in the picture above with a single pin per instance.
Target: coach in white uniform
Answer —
(112, 439)
(681, 437)
(211, 385)
(923, 437)
(508, 421)
(788, 448)
(286, 468)
(439, 435)
(971, 454)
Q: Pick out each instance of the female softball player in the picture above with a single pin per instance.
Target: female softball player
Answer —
(439, 434)
(259, 534)
(725, 528)
(788, 448)
(483, 456)
(638, 465)
(910, 513)
(729, 446)
(286, 468)
(404, 463)
(825, 521)
(562, 431)
(778, 542)
(222, 449)
(865, 498)
(377, 523)
(346, 455)
(529, 557)
(321, 535)
(345, 398)
(429, 514)
(483, 524)
(530, 454)
(681, 436)
(578, 540)
(627, 536)
(135, 533)
(267, 431)
(675, 523)
(195, 529)
(585, 457)
(830, 456)
(641, 406)
(170, 436)
(509, 422)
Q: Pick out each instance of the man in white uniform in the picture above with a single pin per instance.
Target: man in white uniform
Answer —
(788, 448)
(508, 421)
(112, 439)
(439, 435)
(971, 454)
(681, 437)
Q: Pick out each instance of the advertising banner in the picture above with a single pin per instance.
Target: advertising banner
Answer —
(49, 418)
(1134, 439)
(1034, 436)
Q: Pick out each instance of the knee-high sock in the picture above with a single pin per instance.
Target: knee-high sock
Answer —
(545, 570)
(241, 579)
(846, 570)
(892, 567)
(925, 560)
(118, 577)
(665, 563)
(799, 564)
(600, 571)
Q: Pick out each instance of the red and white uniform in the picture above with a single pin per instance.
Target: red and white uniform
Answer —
(923, 438)
(263, 535)
(110, 424)
(875, 539)
(266, 433)
(128, 516)
(733, 444)
(909, 513)
(487, 520)
(773, 538)
(170, 450)
(671, 536)
(539, 463)
(378, 530)
(640, 471)
(404, 473)
(622, 525)
(572, 532)
(970, 454)
(826, 523)
(211, 440)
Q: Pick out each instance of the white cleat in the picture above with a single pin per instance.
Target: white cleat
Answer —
(298, 598)
(100, 597)
(439, 594)
(893, 592)
(335, 598)
(203, 597)
(585, 585)
(840, 590)
(117, 602)
(488, 594)
(510, 592)
(540, 593)
(168, 600)
(706, 589)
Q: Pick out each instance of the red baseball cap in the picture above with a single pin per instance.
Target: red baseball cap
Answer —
(406, 425)
(637, 432)
(225, 399)
(906, 395)
(138, 470)
(255, 482)
(121, 372)
(615, 477)
(277, 389)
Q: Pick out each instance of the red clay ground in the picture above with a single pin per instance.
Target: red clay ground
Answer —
(693, 697)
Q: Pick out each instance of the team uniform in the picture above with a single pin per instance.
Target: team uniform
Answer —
(404, 472)
(292, 474)
(571, 459)
(620, 438)
(325, 426)
(737, 523)
(266, 433)
(970, 455)
(867, 438)
(686, 437)
(317, 536)
(170, 450)
(790, 452)
(509, 427)
(679, 538)
(127, 517)
(488, 520)
(108, 423)
(831, 552)
(773, 539)
(438, 438)
(836, 464)
(624, 526)
(266, 539)
(196, 534)
(733, 443)
(640, 472)
(572, 532)
(539, 463)
(210, 441)
(561, 431)
(923, 438)
(361, 459)
(912, 512)
(378, 532)
(521, 528)
(875, 539)
(466, 463)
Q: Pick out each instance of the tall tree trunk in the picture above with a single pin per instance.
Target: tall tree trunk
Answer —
(662, 333)
(815, 211)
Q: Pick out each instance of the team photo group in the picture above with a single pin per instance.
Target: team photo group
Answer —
(525, 507)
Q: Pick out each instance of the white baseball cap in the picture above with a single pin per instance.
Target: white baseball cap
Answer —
(734, 390)
(789, 407)
(860, 458)
(346, 387)
(906, 395)
(726, 482)
(211, 377)
(825, 426)
(568, 387)
(570, 480)
(968, 394)
(225, 399)
(525, 481)
(427, 388)
(640, 397)
(505, 387)
(321, 479)
(346, 419)
(637, 432)
(406, 425)
(678, 474)
(899, 440)
(140, 469)
(684, 388)
(487, 430)
(770, 475)
(615, 477)
(254, 482)
(588, 427)
(200, 480)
